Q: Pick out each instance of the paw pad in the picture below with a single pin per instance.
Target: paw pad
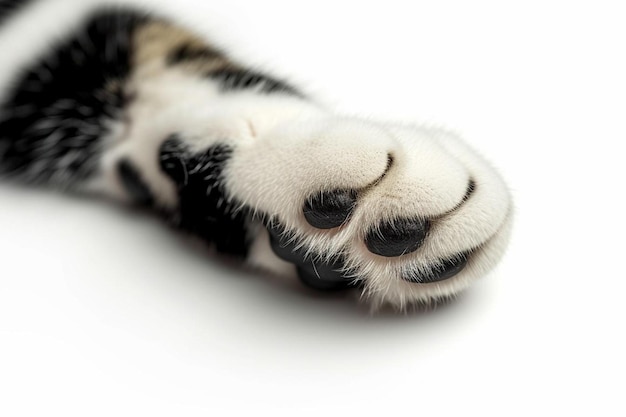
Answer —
(329, 209)
(445, 270)
(323, 276)
(398, 238)
(315, 274)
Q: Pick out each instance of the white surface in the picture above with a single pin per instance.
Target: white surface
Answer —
(104, 311)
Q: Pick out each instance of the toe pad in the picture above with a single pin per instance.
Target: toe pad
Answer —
(329, 209)
(398, 238)
(315, 274)
(322, 276)
(445, 270)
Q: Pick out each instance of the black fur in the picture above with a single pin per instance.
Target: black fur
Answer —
(10, 7)
(186, 53)
(240, 79)
(52, 125)
(203, 207)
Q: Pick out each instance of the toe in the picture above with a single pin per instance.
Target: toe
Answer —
(397, 238)
(319, 275)
(447, 269)
(323, 276)
(283, 246)
(329, 209)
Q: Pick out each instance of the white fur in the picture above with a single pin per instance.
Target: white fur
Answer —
(429, 177)
(286, 149)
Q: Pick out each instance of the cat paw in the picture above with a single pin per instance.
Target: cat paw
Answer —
(407, 215)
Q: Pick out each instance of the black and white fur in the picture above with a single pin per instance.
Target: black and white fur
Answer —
(137, 108)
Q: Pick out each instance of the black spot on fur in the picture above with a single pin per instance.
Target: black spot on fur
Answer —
(52, 124)
(240, 79)
(203, 208)
(10, 7)
(186, 53)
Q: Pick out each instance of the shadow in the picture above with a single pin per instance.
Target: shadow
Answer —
(247, 294)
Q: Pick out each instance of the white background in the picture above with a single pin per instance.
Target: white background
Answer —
(105, 311)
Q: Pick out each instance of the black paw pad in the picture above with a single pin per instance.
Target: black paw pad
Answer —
(323, 276)
(398, 238)
(447, 269)
(317, 275)
(330, 208)
(284, 247)
(134, 185)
